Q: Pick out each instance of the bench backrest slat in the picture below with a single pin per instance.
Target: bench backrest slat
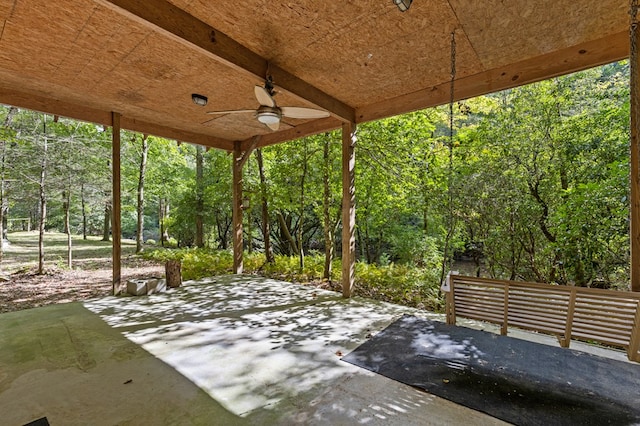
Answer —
(595, 315)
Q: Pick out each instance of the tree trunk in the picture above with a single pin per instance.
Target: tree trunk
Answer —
(367, 242)
(140, 208)
(160, 224)
(326, 214)
(84, 212)
(534, 190)
(222, 227)
(361, 244)
(66, 204)
(285, 231)
(266, 232)
(247, 205)
(302, 200)
(3, 200)
(106, 229)
(43, 202)
(2, 211)
(161, 220)
(199, 197)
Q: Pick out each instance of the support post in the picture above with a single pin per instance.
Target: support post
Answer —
(115, 202)
(237, 208)
(348, 209)
(634, 231)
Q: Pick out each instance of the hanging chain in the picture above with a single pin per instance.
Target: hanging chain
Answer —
(633, 11)
(452, 87)
(451, 225)
(633, 48)
(451, 101)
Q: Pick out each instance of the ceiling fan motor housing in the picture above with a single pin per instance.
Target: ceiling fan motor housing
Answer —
(268, 115)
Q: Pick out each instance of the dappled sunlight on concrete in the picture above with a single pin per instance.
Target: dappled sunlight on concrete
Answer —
(270, 352)
(249, 343)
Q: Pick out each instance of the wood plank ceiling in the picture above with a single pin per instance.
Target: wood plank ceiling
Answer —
(360, 60)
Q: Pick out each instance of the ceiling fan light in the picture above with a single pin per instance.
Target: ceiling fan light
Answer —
(268, 117)
(199, 100)
(403, 5)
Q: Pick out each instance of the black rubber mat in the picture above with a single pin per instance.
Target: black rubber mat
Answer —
(518, 381)
(40, 422)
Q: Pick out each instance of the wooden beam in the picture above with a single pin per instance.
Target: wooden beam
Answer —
(348, 209)
(116, 229)
(80, 112)
(246, 152)
(587, 55)
(185, 28)
(237, 208)
(47, 105)
(634, 91)
(307, 129)
(177, 134)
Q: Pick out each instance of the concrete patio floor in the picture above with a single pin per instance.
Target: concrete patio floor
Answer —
(224, 351)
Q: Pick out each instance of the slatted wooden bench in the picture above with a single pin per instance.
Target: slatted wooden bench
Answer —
(592, 315)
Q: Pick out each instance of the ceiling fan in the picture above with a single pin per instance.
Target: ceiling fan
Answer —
(270, 114)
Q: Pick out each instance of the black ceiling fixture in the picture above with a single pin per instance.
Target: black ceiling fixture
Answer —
(199, 100)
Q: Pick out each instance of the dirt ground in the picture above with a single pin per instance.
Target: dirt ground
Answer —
(89, 277)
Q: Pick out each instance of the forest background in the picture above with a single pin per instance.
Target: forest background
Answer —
(528, 184)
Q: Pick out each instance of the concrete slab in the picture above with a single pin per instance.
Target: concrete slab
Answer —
(228, 350)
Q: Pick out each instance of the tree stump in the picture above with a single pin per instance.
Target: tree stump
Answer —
(173, 273)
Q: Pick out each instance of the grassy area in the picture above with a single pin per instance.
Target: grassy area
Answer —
(91, 275)
(22, 251)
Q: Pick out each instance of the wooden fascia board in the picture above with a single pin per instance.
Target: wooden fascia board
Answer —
(52, 106)
(576, 58)
(160, 14)
(307, 129)
(91, 115)
(177, 134)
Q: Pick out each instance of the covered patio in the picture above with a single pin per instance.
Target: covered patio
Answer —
(229, 350)
(243, 350)
(234, 350)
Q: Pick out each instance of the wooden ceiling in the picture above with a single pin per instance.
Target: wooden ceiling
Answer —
(359, 60)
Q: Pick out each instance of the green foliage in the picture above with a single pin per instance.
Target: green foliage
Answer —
(403, 284)
(196, 262)
(409, 285)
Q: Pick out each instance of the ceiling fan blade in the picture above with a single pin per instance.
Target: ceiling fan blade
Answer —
(263, 96)
(273, 126)
(300, 112)
(234, 111)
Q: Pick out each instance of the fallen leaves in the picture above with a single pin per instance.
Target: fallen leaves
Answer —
(26, 290)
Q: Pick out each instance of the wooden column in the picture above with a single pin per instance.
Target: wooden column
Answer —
(634, 231)
(237, 208)
(348, 208)
(116, 228)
